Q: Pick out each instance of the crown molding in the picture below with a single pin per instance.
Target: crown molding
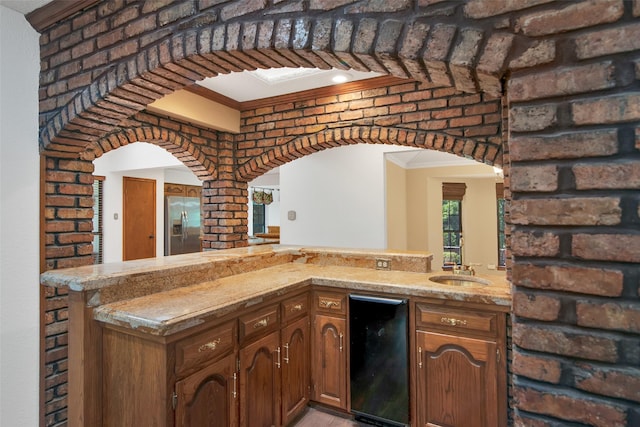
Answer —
(325, 91)
(56, 11)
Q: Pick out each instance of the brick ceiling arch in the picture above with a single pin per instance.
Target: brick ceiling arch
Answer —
(467, 57)
(309, 144)
(180, 144)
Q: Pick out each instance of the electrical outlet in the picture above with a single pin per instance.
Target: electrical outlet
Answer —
(383, 264)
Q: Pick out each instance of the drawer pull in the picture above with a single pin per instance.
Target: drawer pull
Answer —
(329, 303)
(210, 346)
(297, 307)
(261, 323)
(453, 321)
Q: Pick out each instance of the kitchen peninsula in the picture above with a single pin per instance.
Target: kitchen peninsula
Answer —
(251, 336)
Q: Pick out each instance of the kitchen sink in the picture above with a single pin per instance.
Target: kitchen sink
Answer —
(458, 280)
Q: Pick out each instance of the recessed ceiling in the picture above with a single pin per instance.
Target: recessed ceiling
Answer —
(258, 84)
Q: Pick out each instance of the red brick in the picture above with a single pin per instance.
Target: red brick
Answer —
(623, 383)
(569, 211)
(564, 146)
(537, 367)
(583, 280)
(607, 176)
(571, 407)
(526, 243)
(527, 119)
(610, 315)
(482, 9)
(565, 81)
(534, 178)
(612, 109)
(607, 247)
(608, 42)
(539, 307)
(574, 16)
(566, 341)
(540, 52)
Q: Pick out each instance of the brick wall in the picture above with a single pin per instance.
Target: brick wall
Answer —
(570, 76)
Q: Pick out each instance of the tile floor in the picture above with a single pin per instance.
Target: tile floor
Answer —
(317, 418)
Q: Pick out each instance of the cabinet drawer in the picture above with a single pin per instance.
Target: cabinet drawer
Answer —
(205, 346)
(456, 319)
(330, 302)
(295, 307)
(259, 322)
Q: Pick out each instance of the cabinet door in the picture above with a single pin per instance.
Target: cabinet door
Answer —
(295, 369)
(208, 398)
(260, 382)
(457, 383)
(330, 361)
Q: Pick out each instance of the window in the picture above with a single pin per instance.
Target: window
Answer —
(97, 219)
(258, 218)
(502, 244)
(452, 194)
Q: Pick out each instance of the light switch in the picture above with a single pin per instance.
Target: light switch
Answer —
(115, 215)
(291, 215)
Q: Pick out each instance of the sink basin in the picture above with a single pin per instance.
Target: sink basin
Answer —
(458, 280)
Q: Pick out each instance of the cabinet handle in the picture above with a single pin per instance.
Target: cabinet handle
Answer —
(329, 304)
(235, 385)
(261, 323)
(341, 340)
(420, 357)
(286, 353)
(453, 321)
(210, 346)
(498, 355)
(278, 359)
(297, 307)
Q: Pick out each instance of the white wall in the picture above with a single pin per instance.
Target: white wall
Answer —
(19, 221)
(338, 196)
(138, 160)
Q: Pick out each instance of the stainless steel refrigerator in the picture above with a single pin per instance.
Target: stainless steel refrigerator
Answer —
(182, 225)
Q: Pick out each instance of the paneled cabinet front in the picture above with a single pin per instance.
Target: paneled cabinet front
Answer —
(460, 373)
(209, 398)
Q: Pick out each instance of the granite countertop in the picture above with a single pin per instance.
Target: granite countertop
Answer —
(168, 312)
(165, 295)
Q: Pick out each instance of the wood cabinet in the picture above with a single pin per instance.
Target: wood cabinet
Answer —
(460, 367)
(329, 363)
(260, 364)
(209, 398)
(296, 353)
(171, 189)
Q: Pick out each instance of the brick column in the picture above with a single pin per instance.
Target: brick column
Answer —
(225, 214)
(68, 243)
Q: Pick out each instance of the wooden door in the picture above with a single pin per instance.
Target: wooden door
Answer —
(295, 369)
(330, 361)
(260, 382)
(457, 382)
(139, 218)
(209, 398)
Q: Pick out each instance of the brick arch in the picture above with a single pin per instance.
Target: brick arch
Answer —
(180, 146)
(308, 144)
(467, 57)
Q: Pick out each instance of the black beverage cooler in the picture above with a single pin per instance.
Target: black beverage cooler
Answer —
(379, 360)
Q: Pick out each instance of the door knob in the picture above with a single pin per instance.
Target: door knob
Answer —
(151, 236)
